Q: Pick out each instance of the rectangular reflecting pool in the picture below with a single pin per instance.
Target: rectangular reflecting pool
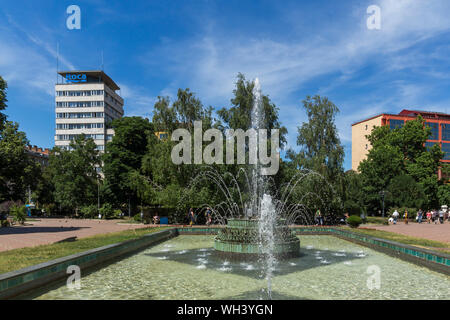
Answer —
(186, 267)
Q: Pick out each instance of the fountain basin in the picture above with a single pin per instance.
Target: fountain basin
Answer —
(240, 240)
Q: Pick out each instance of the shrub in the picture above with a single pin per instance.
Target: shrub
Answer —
(106, 211)
(377, 220)
(354, 221)
(89, 211)
(18, 213)
(137, 217)
(7, 205)
(117, 214)
(4, 223)
(49, 208)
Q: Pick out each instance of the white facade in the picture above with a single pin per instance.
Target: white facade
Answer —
(86, 108)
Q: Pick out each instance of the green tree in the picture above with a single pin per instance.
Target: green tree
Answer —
(123, 157)
(321, 148)
(74, 174)
(352, 193)
(398, 152)
(404, 191)
(322, 154)
(239, 115)
(164, 116)
(3, 100)
(17, 170)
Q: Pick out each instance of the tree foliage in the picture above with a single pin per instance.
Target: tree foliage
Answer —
(74, 174)
(398, 157)
(321, 149)
(123, 157)
(17, 170)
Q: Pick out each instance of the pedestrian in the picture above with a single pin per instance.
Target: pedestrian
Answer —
(419, 216)
(317, 217)
(321, 218)
(156, 218)
(406, 216)
(429, 216)
(208, 216)
(191, 217)
(435, 216)
(441, 216)
(395, 216)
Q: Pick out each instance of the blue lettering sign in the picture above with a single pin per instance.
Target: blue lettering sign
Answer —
(76, 78)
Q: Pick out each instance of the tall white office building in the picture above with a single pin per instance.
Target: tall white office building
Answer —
(86, 101)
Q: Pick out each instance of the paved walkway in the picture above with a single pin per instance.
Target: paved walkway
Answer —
(45, 231)
(438, 232)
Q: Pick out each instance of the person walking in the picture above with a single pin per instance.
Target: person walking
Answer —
(208, 216)
(429, 216)
(406, 216)
(419, 216)
(441, 216)
(435, 216)
(191, 217)
(395, 216)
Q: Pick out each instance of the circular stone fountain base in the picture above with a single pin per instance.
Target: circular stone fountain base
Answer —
(240, 240)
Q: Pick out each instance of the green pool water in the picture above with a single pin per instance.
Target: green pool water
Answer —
(186, 267)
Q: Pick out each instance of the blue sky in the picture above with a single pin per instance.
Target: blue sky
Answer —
(296, 48)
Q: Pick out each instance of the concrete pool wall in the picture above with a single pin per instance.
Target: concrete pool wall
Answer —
(20, 281)
(17, 282)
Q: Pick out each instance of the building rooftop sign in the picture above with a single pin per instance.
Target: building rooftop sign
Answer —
(89, 77)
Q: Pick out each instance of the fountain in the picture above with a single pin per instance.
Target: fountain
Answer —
(265, 237)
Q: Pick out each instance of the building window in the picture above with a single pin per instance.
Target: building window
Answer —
(79, 104)
(394, 124)
(445, 131)
(434, 130)
(72, 126)
(367, 146)
(367, 126)
(446, 149)
(79, 93)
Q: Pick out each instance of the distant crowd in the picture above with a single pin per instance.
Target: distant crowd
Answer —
(431, 216)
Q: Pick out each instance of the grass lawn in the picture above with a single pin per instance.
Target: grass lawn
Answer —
(24, 257)
(413, 241)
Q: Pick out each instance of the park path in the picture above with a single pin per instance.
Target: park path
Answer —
(437, 232)
(46, 231)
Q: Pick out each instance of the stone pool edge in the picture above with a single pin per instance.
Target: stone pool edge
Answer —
(20, 281)
(436, 261)
(17, 282)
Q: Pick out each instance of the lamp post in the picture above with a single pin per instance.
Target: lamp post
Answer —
(98, 196)
(383, 194)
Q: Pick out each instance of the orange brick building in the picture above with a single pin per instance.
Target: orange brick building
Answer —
(439, 123)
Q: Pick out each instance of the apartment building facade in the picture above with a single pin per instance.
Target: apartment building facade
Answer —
(438, 122)
(85, 103)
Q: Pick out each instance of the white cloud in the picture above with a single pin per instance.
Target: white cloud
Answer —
(26, 61)
(208, 63)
